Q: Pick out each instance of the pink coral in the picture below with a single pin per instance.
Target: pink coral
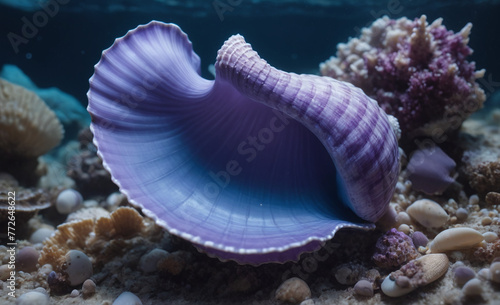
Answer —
(416, 71)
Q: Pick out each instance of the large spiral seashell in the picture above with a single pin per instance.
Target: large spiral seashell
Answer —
(257, 166)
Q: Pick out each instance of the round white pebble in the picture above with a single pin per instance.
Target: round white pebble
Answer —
(474, 199)
(490, 237)
(40, 235)
(79, 267)
(127, 298)
(68, 201)
(33, 298)
(472, 288)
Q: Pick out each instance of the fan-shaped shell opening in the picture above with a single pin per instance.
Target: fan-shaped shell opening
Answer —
(239, 179)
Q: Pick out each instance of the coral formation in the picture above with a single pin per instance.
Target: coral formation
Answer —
(68, 109)
(415, 71)
(480, 166)
(108, 233)
(393, 249)
(28, 129)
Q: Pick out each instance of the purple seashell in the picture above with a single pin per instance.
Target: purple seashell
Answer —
(429, 170)
(240, 166)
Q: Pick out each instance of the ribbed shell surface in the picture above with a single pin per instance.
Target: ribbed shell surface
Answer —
(256, 166)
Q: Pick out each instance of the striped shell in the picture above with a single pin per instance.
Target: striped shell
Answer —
(241, 166)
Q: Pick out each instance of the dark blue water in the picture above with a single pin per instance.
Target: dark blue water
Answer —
(295, 37)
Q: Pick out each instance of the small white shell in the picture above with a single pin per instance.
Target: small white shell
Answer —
(293, 290)
(428, 213)
(433, 266)
(455, 239)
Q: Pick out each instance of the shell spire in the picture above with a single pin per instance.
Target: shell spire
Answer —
(338, 113)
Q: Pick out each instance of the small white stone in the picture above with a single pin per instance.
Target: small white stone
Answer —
(403, 218)
(74, 293)
(474, 199)
(114, 200)
(494, 274)
(68, 201)
(293, 290)
(40, 235)
(472, 288)
(490, 237)
(79, 267)
(33, 298)
(127, 298)
(428, 213)
(484, 273)
(404, 228)
(4, 272)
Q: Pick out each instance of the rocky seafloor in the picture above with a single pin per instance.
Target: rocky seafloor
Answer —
(123, 251)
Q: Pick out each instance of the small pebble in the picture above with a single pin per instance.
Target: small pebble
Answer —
(127, 298)
(404, 228)
(88, 288)
(484, 274)
(472, 288)
(403, 282)
(490, 237)
(419, 239)
(307, 302)
(75, 293)
(26, 259)
(474, 200)
(363, 288)
(4, 272)
(462, 214)
(149, 261)
(403, 218)
(33, 298)
(293, 290)
(68, 201)
(486, 221)
(463, 274)
(114, 200)
(345, 275)
(40, 235)
(494, 274)
(79, 267)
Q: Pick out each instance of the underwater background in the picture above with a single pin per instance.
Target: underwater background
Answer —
(437, 244)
